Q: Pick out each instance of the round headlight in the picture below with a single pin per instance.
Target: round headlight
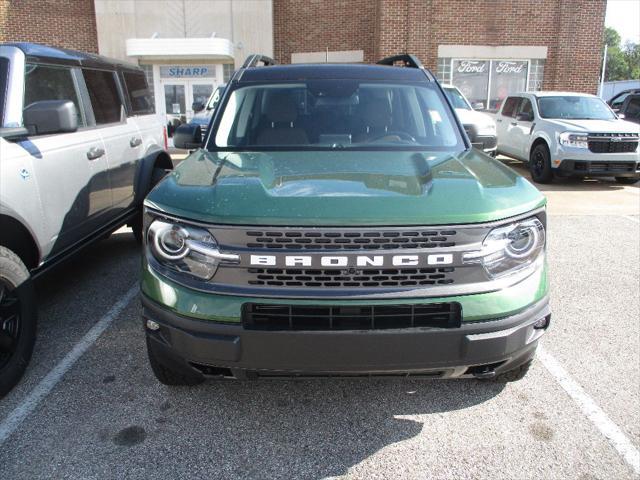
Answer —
(522, 241)
(171, 242)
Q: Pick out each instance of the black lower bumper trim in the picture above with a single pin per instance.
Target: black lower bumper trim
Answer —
(442, 352)
(604, 168)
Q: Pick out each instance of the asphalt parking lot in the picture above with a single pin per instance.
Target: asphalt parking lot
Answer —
(89, 406)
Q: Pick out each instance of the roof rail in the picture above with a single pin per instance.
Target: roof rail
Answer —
(406, 59)
(253, 60)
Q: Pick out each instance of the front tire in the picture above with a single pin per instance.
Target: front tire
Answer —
(17, 319)
(627, 180)
(540, 164)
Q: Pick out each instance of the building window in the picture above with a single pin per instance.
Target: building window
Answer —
(486, 83)
(443, 73)
(227, 71)
(536, 73)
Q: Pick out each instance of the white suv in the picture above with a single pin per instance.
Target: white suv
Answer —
(568, 134)
(80, 147)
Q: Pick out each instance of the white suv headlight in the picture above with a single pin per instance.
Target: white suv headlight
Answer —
(185, 249)
(510, 248)
(573, 139)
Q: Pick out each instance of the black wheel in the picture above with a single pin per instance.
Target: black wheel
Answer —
(168, 375)
(17, 319)
(627, 180)
(136, 223)
(513, 375)
(540, 164)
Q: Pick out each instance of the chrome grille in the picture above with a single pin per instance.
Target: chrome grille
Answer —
(349, 240)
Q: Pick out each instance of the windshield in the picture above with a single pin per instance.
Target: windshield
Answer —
(572, 107)
(331, 114)
(457, 99)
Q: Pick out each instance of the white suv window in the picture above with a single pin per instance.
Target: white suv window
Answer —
(103, 92)
(44, 82)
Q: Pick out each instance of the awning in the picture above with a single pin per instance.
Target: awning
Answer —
(209, 48)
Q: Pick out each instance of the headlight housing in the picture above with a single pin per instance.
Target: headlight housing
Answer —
(511, 248)
(573, 139)
(185, 249)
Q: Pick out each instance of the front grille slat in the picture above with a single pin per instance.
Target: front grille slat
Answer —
(257, 316)
(350, 240)
(613, 142)
(333, 278)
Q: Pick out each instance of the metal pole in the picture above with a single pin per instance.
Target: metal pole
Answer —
(604, 67)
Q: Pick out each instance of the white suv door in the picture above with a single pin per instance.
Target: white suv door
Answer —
(120, 135)
(505, 121)
(71, 172)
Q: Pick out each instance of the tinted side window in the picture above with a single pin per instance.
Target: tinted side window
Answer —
(43, 82)
(526, 107)
(510, 105)
(633, 108)
(103, 92)
(619, 100)
(138, 93)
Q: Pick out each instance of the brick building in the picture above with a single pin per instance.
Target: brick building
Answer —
(486, 47)
(66, 24)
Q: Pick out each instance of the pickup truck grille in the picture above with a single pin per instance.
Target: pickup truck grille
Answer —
(256, 316)
(613, 142)
(350, 240)
(332, 278)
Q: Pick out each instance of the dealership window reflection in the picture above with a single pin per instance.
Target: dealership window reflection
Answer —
(486, 83)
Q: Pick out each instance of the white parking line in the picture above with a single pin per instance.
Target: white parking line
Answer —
(30, 403)
(598, 417)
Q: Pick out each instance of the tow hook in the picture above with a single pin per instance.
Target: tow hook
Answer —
(485, 374)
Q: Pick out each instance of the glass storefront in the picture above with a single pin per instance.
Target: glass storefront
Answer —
(486, 83)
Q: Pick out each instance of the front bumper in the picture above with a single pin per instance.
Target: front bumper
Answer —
(484, 348)
(603, 168)
(486, 143)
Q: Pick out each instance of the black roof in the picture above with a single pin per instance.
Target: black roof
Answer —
(45, 54)
(331, 71)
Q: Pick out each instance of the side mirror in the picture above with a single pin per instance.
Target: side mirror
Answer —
(187, 137)
(50, 116)
(478, 106)
(197, 106)
(524, 117)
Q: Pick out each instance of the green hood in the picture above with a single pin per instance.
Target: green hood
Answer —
(338, 187)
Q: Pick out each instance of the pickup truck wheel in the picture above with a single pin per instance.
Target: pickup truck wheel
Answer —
(627, 180)
(17, 319)
(540, 164)
(167, 375)
(136, 223)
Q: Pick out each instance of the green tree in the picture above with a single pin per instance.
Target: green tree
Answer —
(623, 62)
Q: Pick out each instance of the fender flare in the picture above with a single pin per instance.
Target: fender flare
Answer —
(155, 157)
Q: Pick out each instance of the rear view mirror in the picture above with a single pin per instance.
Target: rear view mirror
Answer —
(197, 106)
(187, 137)
(50, 116)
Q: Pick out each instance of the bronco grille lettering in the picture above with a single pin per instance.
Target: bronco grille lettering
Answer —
(357, 260)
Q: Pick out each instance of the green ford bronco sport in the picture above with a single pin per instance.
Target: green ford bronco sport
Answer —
(335, 221)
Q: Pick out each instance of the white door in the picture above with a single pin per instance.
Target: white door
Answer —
(521, 131)
(70, 168)
(505, 121)
(175, 101)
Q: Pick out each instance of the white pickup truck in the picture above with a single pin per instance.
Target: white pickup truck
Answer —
(568, 134)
